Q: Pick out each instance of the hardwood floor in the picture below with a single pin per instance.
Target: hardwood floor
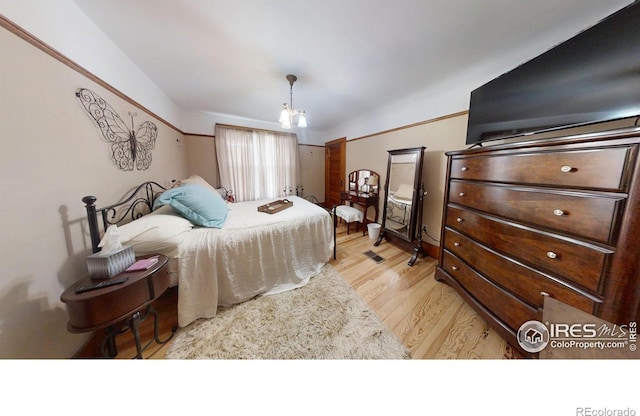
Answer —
(429, 317)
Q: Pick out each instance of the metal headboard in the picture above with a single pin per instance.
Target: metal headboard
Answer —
(138, 203)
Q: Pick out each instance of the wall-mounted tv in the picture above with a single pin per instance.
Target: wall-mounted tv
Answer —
(590, 78)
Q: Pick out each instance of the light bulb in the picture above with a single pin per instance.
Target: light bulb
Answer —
(302, 120)
(284, 115)
(285, 122)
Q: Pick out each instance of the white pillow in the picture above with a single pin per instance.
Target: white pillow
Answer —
(404, 191)
(155, 234)
(166, 210)
(194, 179)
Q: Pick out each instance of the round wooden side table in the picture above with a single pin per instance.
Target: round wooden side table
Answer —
(119, 307)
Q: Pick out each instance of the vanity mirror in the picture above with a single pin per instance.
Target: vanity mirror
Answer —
(403, 200)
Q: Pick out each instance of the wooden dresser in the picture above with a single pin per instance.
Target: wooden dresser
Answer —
(556, 216)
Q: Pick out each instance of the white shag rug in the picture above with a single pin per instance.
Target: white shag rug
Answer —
(325, 319)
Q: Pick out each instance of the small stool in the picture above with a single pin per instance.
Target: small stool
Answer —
(349, 215)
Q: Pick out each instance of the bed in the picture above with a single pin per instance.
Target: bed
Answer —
(251, 253)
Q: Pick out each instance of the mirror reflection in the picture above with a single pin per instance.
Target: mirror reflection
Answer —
(400, 195)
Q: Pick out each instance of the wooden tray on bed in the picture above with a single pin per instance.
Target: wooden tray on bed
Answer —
(275, 206)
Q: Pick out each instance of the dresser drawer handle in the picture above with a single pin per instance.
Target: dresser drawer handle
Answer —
(552, 255)
(454, 268)
(464, 168)
(456, 244)
(460, 219)
(461, 194)
(559, 212)
(566, 169)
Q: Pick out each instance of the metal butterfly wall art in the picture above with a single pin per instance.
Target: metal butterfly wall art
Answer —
(129, 148)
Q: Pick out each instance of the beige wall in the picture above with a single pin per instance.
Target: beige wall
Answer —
(312, 170)
(438, 136)
(51, 156)
(201, 158)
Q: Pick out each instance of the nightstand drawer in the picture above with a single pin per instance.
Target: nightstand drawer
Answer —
(591, 168)
(586, 215)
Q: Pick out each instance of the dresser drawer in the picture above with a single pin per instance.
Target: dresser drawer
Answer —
(593, 168)
(576, 261)
(524, 282)
(502, 304)
(580, 214)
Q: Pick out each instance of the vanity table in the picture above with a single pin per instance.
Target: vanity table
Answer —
(361, 199)
(362, 191)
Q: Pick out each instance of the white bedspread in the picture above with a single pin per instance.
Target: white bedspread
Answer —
(254, 253)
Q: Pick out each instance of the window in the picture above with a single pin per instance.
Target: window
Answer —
(257, 164)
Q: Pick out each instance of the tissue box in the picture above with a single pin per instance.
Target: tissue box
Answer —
(104, 266)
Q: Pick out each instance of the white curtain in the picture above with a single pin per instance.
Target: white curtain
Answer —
(257, 164)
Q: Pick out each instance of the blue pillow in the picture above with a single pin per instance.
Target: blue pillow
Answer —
(196, 203)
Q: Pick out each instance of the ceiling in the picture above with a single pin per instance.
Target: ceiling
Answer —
(350, 56)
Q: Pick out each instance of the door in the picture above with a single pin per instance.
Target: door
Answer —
(335, 166)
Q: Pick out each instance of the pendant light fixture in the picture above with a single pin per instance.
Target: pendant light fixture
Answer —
(288, 112)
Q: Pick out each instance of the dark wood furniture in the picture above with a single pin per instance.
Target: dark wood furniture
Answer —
(363, 189)
(335, 169)
(404, 196)
(556, 217)
(119, 307)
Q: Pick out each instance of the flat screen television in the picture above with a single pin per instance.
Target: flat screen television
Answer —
(592, 77)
